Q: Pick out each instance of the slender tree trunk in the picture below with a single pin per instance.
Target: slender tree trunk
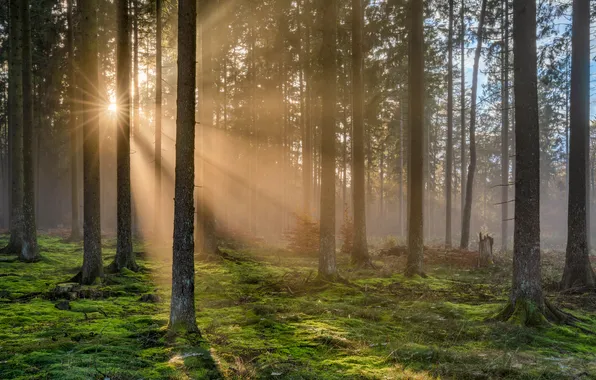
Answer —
(449, 166)
(462, 96)
(465, 233)
(360, 246)
(92, 259)
(327, 264)
(75, 234)
(578, 271)
(414, 264)
(400, 171)
(505, 130)
(124, 253)
(29, 251)
(158, 94)
(182, 307)
(15, 94)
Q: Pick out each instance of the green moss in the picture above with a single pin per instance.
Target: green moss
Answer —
(262, 315)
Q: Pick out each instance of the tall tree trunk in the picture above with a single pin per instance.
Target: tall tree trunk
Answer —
(124, 254)
(578, 272)
(414, 264)
(526, 302)
(360, 246)
(158, 94)
(505, 129)
(29, 251)
(449, 166)
(75, 232)
(182, 307)
(462, 97)
(465, 233)
(15, 94)
(327, 264)
(305, 109)
(400, 171)
(92, 260)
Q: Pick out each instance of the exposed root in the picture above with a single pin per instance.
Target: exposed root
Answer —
(526, 313)
(77, 278)
(10, 249)
(414, 271)
(115, 268)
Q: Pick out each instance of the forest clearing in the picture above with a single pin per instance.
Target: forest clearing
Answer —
(297, 189)
(264, 315)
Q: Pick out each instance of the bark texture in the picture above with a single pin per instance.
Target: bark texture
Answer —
(29, 250)
(414, 264)
(578, 273)
(360, 247)
(92, 260)
(327, 263)
(182, 309)
(449, 158)
(15, 94)
(124, 254)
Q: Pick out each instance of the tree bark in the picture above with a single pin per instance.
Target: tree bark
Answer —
(182, 308)
(505, 129)
(526, 300)
(29, 250)
(578, 273)
(124, 253)
(15, 94)
(92, 259)
(449, 166)
(465, 233)
(414, 264)
(327, 264)
(462, 97)
(360, 246)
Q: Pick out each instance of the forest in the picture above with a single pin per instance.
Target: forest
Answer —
(297, 189)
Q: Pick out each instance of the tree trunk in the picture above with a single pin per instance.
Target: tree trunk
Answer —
(182, 308)
(327, 264)
(414, 264)
(29, 250)
(578, 273)
(306, 122)
(505, 129)
(485, 250)
(526, 299)
(75, 232)
(360, 246)
(449, 166)
(124, 253)
(15, 94)
(158, 94)
(462, 97)
(92, 260)
(465, 233)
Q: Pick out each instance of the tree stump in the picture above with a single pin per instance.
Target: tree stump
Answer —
(485, 248)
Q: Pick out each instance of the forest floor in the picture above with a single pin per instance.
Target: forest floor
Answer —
(263, 315)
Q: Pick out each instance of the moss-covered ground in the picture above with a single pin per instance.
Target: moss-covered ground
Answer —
(264, 315)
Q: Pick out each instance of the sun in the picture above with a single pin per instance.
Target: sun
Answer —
(112, 107)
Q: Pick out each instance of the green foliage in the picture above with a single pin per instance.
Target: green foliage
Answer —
(303, 238)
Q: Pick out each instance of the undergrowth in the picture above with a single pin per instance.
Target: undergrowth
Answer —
(263, 315)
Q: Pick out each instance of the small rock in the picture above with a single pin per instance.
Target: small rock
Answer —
(153, 298)
(63, 305)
